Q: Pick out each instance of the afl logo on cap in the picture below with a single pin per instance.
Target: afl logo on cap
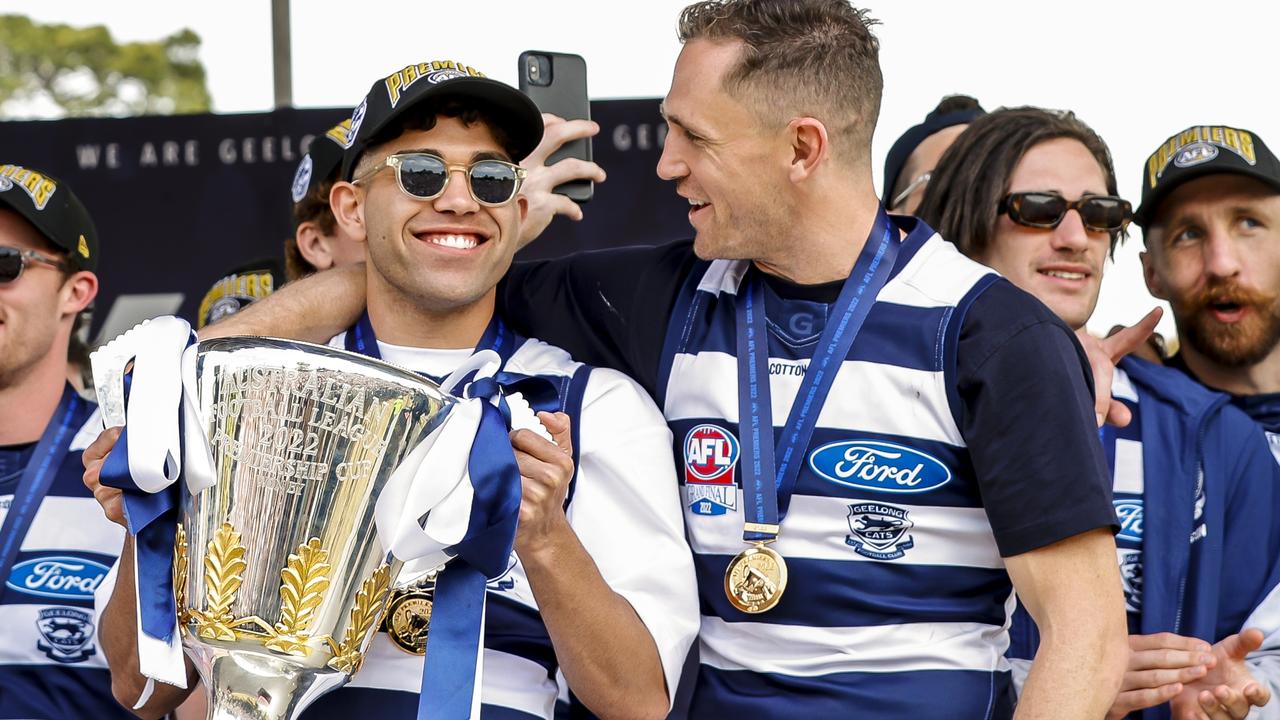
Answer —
(710, 455)
(440, 76)
(1195, 154)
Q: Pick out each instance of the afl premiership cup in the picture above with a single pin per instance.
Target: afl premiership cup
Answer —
(280, 577)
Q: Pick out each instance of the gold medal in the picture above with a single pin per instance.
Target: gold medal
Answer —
(756, 579)
(408, 619)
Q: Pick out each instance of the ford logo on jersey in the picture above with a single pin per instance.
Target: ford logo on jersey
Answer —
(710, 455)
(880, 466)
(58, 576)
(1129, 513)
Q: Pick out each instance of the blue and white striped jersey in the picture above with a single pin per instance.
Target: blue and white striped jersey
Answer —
(625, 510)
(1123, 447)
(896, 580)
(50, 665)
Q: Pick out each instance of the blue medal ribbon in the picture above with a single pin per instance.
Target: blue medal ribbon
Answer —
(36, 478)
(453, 644)
(766, 485)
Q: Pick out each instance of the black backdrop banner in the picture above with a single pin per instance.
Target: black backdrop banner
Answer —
(179, 200)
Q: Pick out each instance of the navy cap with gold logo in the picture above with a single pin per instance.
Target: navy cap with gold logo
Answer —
(1198, 151)
(391, 96)
(53, 209)
(322, 161)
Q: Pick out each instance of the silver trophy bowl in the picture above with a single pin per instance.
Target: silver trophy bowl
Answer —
(281, 580)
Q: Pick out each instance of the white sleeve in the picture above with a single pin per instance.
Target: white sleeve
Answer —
(1020, 669)
(1264, 664)
(1265, 668)
(626, 511)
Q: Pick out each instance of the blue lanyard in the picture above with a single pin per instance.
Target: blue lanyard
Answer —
(361, 339)
(766, 485)
(37, 477)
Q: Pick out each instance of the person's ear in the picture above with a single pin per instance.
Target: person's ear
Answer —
(810, 145)
(347, 202)
(77, 292)
(313, 245)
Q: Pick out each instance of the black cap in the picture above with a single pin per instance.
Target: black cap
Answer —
(242, 286)
(1203, 150)
(53, 209)
(391, 96)
(911, 139)
(322, 161)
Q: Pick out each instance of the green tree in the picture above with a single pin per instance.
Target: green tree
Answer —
(84, 71)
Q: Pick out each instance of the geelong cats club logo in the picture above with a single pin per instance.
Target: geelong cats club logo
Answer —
(879, 531)
(67, 634)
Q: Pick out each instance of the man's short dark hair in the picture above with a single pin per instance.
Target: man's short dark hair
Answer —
(816, 58)
(952, 110)
(963, 197)
(956, 103)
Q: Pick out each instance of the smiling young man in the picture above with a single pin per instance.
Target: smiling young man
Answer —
(600, 586)
(55, 546)
(1032, 193)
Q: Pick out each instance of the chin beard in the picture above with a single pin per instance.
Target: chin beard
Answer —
(1234, 345)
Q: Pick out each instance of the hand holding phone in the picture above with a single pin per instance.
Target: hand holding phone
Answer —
(557, 83)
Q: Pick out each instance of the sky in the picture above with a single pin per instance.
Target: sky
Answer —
(1135, 71)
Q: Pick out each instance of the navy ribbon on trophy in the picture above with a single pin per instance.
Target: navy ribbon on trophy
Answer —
(152, 518)
(454, 641)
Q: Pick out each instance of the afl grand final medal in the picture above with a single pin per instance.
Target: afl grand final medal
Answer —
(409, 617)
(756, 579)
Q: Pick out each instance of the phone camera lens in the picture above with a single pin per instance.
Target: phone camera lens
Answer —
(538, 70)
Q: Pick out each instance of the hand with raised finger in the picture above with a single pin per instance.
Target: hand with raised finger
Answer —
(1159, 667)
(543, 179)
(1153, 350)
(111, 499)
(545, 471)
(1229, 691)
(1103, 356)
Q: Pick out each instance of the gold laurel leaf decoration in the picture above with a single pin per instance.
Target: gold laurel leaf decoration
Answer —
(180, 573)
(303, 583)
(224, 567)
(369, 608)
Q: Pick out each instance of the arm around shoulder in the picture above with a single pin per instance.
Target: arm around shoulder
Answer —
(313, 309)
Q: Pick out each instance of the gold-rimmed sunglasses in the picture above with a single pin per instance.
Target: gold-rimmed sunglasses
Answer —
(425, 176)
